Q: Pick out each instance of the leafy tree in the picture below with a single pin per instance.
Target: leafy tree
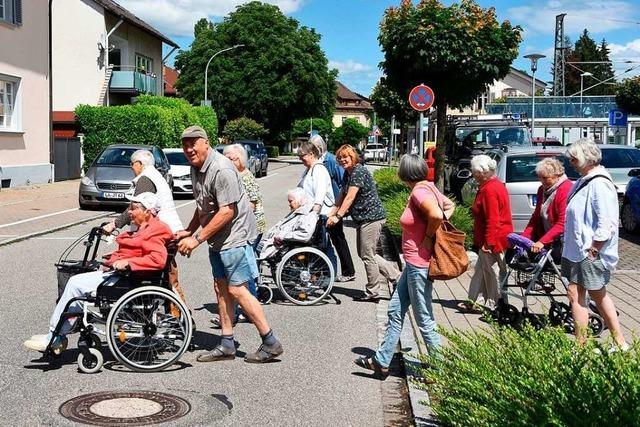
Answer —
(387, 102)
(456, 50)
(628, 95)
(351, 132)
(302, 127)
(586, 50)
(280, 75)
(243, 128)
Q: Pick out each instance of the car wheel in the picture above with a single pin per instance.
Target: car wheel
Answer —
(264, 172)
(628, 218)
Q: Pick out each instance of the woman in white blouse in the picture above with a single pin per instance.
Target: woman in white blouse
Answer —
(590, 251)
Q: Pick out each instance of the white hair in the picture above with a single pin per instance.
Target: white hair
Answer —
(240, 150)
(298, 194)
(585, 151)
(319, 143)
(483, 164)
(549, 166)
(144, 157)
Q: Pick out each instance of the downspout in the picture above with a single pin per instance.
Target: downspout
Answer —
(162, 69)
(50, 54)
(106, 51)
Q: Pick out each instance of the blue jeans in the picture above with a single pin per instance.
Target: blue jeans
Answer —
(414, 288)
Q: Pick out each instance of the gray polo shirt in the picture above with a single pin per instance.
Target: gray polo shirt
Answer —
(216, 184)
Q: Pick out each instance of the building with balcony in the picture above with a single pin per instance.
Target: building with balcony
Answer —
(101, 54)
(350, 105)
(24, 93)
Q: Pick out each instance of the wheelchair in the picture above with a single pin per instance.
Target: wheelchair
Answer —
(302, 272)
(538, 275)
(146, 325)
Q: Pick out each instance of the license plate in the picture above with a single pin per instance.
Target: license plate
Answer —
(111, 195)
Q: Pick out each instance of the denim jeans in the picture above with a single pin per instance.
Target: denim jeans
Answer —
(414, 288)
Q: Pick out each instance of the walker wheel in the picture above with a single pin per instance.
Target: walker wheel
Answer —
(595, 324)
(92, 363)
(265, 294)
(558, 313)
(508, 315)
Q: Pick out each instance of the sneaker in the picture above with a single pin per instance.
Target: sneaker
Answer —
(40, 343)
(265, 353)
(218, 353)
(367, 298)
(613, 349)
(345, 278)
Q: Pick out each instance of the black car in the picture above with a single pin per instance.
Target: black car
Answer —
(259, 151)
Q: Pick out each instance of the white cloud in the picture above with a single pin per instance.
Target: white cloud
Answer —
(349, 67)
(177, 17)
(594, 15)
(626, 52)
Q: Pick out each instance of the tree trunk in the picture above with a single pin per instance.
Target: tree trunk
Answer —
(441, 126)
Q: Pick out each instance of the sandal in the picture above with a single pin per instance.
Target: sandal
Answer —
(468, 307)
(372, 364)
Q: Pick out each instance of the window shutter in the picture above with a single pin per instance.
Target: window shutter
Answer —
(17, 12)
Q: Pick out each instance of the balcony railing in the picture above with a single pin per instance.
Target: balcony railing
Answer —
(557, 106)
(131, 80)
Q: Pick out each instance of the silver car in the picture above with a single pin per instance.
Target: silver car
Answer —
(109, 177)
(516, 168)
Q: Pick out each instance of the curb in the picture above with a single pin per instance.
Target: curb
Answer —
(53, 229)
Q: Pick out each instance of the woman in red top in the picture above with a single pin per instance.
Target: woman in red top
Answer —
(547, 222)
(491, 226)
(144, 249)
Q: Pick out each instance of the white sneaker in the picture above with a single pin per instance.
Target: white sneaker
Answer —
(37, 343)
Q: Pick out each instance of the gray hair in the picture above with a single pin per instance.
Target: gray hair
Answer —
(298, 195)
(319, 143)
(309, 148)
(483, 164)
(240, 150)
(585, 151)
(144, 157)
(549, 166)
(413, 168)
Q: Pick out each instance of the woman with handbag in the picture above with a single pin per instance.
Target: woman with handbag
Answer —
(491, 225)
(422, 217)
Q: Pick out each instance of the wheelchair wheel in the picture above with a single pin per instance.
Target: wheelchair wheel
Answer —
(595, 324)
(143, 331)
(305, 276)
(92, 363)
(265, 294)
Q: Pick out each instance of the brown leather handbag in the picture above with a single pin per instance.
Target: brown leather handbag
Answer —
(449, 258)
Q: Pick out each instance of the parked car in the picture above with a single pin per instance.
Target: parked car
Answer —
(630, 211)
(109, 177)
(376, 152)
(253, 163)
(180, 170)
(516, 168)
(260, 152)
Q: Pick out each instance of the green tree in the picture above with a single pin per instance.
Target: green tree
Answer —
(586, 50)
(280, 75)
(628, 95)
(456, 50)
(243, 128)
(351, 132)
(302, 127)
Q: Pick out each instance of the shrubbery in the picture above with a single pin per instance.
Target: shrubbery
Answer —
(243, 128)
(394, 195)
(504, 377)
(151, 120)
(273, 152)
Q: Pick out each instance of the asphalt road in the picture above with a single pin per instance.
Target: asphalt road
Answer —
(314, 383)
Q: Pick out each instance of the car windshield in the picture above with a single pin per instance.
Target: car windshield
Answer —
(493, 136)
(177, 158)
(522, 168)
(116, 157)
(620, 158)
(374, 147)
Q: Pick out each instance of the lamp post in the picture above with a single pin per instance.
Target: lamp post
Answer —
(582, 76)
(206, 69)
(533, 57)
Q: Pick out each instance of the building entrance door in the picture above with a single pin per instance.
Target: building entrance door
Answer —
(67, 159)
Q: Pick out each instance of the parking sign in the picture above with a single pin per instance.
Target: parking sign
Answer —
(617, 117)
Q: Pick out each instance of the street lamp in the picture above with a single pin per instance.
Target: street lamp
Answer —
(582, 76)
(206, 69)
(534, 66)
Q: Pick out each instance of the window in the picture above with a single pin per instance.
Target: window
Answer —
(11, 11)
(144, 64)
(7, 105)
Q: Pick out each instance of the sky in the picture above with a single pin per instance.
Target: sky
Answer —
(349, 28)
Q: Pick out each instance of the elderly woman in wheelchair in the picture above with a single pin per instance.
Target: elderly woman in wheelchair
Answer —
(147, 327)
(295, 250)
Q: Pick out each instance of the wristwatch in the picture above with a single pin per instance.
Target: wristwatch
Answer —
(197, 237)
(337, 215)
(594, 251)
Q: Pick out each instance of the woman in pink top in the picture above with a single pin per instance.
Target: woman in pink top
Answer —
(420, 220)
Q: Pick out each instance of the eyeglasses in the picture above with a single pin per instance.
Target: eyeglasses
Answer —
(137, 161)
(301, 156)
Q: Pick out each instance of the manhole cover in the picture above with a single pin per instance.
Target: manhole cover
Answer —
(130, 408)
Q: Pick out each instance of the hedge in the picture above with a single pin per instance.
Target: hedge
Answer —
(151, 120)
(503, 377)
(273, 152)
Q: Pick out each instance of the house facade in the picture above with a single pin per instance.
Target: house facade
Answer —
(350, 105)
(24, 93)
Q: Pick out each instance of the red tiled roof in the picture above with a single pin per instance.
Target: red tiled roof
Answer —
(170, 77)
(346, 99)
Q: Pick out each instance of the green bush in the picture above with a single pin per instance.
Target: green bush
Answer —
(504, 377)
(394, 205)
(243, 128)
(273, 152)
(388, 182)
(151, 120)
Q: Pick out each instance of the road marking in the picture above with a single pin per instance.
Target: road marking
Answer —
(185, 204)
(55, 238)
(39, 217)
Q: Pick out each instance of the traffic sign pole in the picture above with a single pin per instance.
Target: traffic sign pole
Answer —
(421, 136)
(421, 98)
